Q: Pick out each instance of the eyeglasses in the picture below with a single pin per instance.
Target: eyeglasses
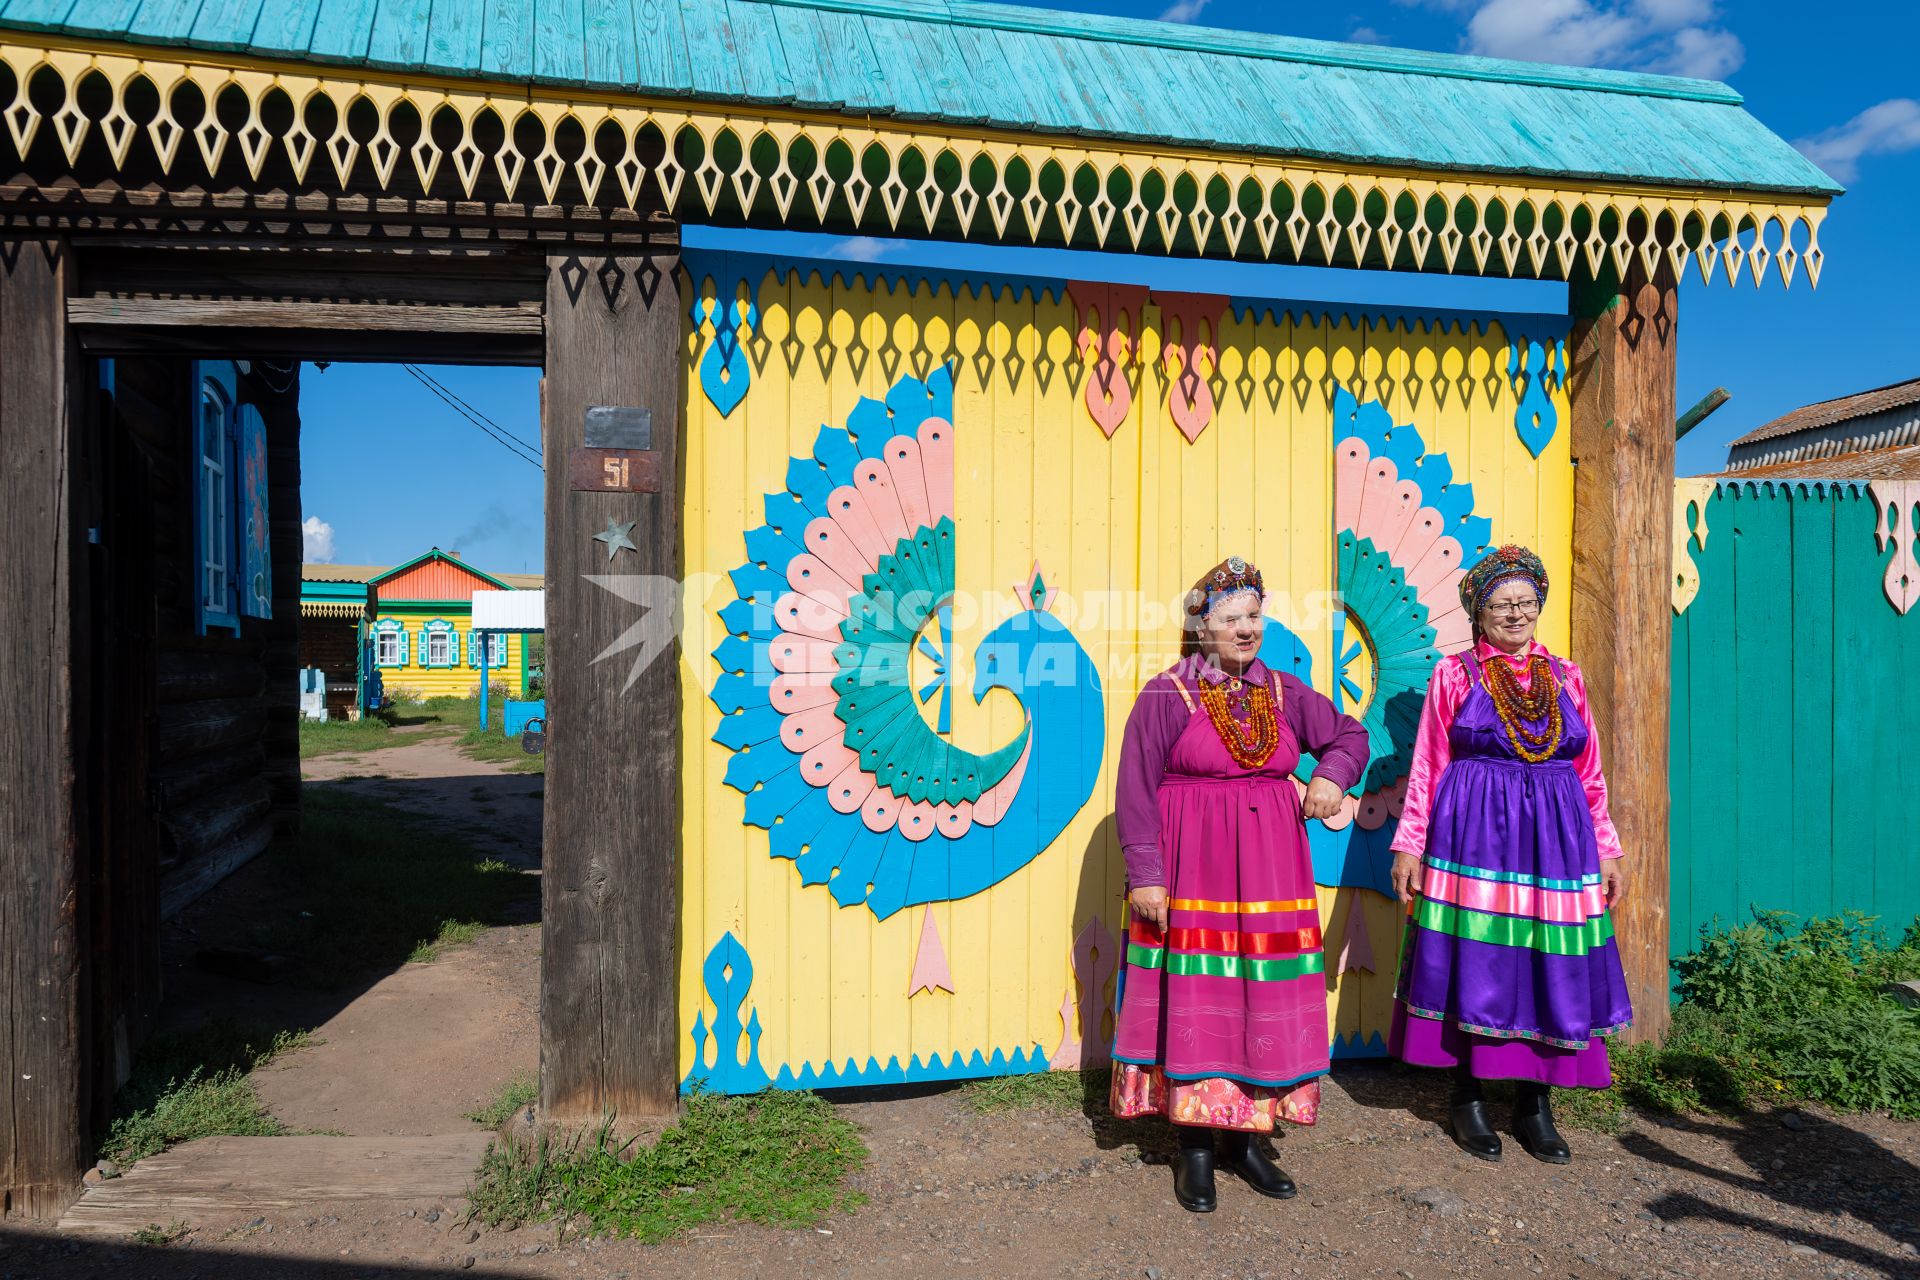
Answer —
(1525, 609)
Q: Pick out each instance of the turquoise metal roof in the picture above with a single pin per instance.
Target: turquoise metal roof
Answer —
(1009, 68)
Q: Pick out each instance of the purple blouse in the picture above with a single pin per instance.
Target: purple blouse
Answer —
(1339, 742)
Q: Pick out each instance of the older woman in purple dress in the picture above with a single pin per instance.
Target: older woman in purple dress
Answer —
(1223, 1004)
(1509, 861)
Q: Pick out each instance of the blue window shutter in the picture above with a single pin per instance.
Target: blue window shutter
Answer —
(403, 646)
(215, 574)
(255, 579)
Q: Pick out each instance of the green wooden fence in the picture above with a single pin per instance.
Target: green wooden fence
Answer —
(1796, 700)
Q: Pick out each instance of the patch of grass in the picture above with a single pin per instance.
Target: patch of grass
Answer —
(521, 1091)
(778, 1158)
(333, 737)
(1060, 1092)
(370, 886)
(494, 746)
(1780, 1012)
(453, 933)
(155, 1234)
(194, 1085)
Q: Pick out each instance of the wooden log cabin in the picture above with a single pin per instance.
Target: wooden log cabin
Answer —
(502, 181)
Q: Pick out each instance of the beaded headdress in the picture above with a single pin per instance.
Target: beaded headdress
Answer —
(1230, 575)
(1504, 565)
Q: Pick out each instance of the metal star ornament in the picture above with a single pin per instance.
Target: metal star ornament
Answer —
(616, 537)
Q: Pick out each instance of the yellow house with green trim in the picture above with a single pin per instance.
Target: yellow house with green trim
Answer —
(419, 630)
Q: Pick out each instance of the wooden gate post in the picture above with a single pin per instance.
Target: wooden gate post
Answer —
(42, 1046)
(611, 864)
(1624, 339)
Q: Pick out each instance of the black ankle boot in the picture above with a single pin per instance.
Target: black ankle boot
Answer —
(1533, 1125)
(1472, 1126)
(1242, 1154)
(1193, 1169)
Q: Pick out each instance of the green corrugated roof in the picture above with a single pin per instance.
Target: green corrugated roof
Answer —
(1006, 67)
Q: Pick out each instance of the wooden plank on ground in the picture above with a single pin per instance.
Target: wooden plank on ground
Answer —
(208, 1176)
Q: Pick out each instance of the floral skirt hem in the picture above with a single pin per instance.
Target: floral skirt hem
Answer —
(1216, 1102)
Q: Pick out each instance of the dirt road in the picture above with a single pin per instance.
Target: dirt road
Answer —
(952, 1192)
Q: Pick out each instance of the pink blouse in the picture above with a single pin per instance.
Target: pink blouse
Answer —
(1446, 691)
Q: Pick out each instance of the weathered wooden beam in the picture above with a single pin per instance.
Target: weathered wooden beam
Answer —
(1623, 412)
(196, 677)
(1701, 411)
(372, 345)
(610, 878)
(181, 885)
(42, 1050)
(252, 313)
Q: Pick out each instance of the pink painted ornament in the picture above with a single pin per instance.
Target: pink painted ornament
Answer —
(1189, 397)
(1109, 346)
(1084, 1040)
(1893, 523)
(1356, 944)
(930, 960)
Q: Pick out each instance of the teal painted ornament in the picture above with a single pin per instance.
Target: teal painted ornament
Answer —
(728, 976)
(1536, 370)
(726, 372)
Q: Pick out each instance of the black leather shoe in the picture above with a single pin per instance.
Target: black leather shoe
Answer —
(1240, 1153)
(1193, 1171)
(1473, 1130)
(1533, 1125)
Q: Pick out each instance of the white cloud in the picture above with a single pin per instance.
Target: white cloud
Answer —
(1885, 129)
(1184, 10)
(316, 537)
(1671, 37)
(1706, 53)
(1366, 35)
(860, 249)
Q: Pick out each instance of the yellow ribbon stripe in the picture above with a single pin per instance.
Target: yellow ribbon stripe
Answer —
(1244, 908)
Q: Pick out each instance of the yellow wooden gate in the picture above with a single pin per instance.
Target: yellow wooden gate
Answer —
(983, 496)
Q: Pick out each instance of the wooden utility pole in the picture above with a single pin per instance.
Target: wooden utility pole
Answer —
(1624, 337)
(43, 1048)
(609, 975)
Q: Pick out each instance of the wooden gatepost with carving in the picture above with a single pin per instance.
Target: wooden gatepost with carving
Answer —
(198, 197)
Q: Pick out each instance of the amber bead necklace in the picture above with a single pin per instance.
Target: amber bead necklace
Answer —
(1519, 708)
(1251, 743)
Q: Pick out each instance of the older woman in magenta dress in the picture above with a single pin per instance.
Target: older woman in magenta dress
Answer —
(1509, 861)
(1223, 1006)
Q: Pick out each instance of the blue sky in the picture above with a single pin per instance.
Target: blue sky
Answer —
(391, 470)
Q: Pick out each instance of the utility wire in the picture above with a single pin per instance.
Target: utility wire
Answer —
(494, 430)
(448, 391)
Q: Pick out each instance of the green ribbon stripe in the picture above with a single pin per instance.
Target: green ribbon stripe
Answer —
(1513, 931)
(1189, 964)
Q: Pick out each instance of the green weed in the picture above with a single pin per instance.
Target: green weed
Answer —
(521, 1091)
(1780, 1012)
(453, 933)
(155, 1234)
(778, 1158)
(194, 1085)
(1060, 1092)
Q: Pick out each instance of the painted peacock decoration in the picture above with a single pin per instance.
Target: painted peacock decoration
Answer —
(841, 740)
